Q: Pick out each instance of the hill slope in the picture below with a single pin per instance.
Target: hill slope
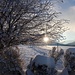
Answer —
(72, 43)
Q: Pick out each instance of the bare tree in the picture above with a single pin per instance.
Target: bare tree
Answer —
(24, 19)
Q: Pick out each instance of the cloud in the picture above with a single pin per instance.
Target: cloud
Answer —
(69, 14)
(72, 8)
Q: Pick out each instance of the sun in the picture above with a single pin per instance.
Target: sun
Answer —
(46, 39)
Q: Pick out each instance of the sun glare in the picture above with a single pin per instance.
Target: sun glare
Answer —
(46, 39)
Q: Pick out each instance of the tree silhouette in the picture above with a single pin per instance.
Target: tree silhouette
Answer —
(21, 20)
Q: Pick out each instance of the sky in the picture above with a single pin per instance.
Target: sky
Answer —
(68, 12)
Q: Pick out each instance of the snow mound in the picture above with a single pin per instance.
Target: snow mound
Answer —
(44, 60)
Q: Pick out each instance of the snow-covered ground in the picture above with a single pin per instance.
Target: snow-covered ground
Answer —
(28, 52)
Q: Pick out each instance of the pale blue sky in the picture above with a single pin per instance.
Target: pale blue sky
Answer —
(68, 12)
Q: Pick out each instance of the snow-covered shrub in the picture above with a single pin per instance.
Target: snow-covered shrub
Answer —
(42, 65)
(53, 52)
(59, 54)
(70, 58)
(10, 63)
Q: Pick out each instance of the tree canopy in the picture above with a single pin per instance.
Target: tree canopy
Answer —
(28, 19)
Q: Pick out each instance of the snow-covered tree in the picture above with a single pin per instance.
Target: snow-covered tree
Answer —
(21, 20)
